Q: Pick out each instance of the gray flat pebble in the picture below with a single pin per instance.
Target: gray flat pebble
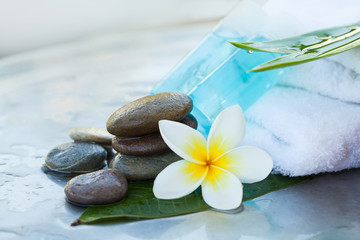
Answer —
(91, 134)
(77, 157)
(138, 168)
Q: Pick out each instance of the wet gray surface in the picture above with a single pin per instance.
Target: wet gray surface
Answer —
(44, 94)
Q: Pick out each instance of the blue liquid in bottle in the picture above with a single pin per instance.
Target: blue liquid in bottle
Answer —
(215, 75)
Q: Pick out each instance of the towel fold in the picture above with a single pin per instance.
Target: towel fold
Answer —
(336, 77)
(310, 122)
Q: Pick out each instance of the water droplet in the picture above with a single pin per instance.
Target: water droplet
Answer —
(324, 38)
(249, 51)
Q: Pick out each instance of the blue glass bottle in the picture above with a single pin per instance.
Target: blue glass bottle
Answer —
(215, 75)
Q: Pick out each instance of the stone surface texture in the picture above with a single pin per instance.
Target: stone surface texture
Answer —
(100, 187)
(147, 144)
(191, 121)
(140, 146)
(138, 168)
(141, 116)
(91, 134)
(77, 157)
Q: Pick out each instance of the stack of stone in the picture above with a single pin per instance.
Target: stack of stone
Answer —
(142, 151)
(86, 155)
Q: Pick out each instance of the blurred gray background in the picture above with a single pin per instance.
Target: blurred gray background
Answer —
(26, 25)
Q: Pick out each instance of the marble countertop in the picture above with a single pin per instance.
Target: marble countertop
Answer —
(43, 94)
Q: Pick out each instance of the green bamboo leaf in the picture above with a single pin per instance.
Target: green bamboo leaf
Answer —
(306, 47)
(141, 203)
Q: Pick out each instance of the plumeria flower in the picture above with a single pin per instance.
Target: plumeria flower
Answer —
(220, 165)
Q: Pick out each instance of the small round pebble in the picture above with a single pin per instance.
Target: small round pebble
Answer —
(91, 134)
(141, 116)
(96, 188)
(76, 157)
(147, 145)
(137, 168)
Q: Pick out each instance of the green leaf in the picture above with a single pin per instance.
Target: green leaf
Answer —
(306, 47)
(141, 203)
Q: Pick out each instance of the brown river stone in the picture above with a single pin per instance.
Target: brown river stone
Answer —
(147, 144)
(100, 187)
(141, 116)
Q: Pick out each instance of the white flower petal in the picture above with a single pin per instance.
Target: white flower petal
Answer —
(179, 179)
(250, 164)
(227, 131)
(221, 189)
(184, 140)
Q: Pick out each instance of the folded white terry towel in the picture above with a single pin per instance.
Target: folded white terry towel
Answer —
(305, 132)
(310, 121)
(336, 77)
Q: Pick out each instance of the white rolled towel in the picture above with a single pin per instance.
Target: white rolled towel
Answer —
(310, 122)
(336, 77)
